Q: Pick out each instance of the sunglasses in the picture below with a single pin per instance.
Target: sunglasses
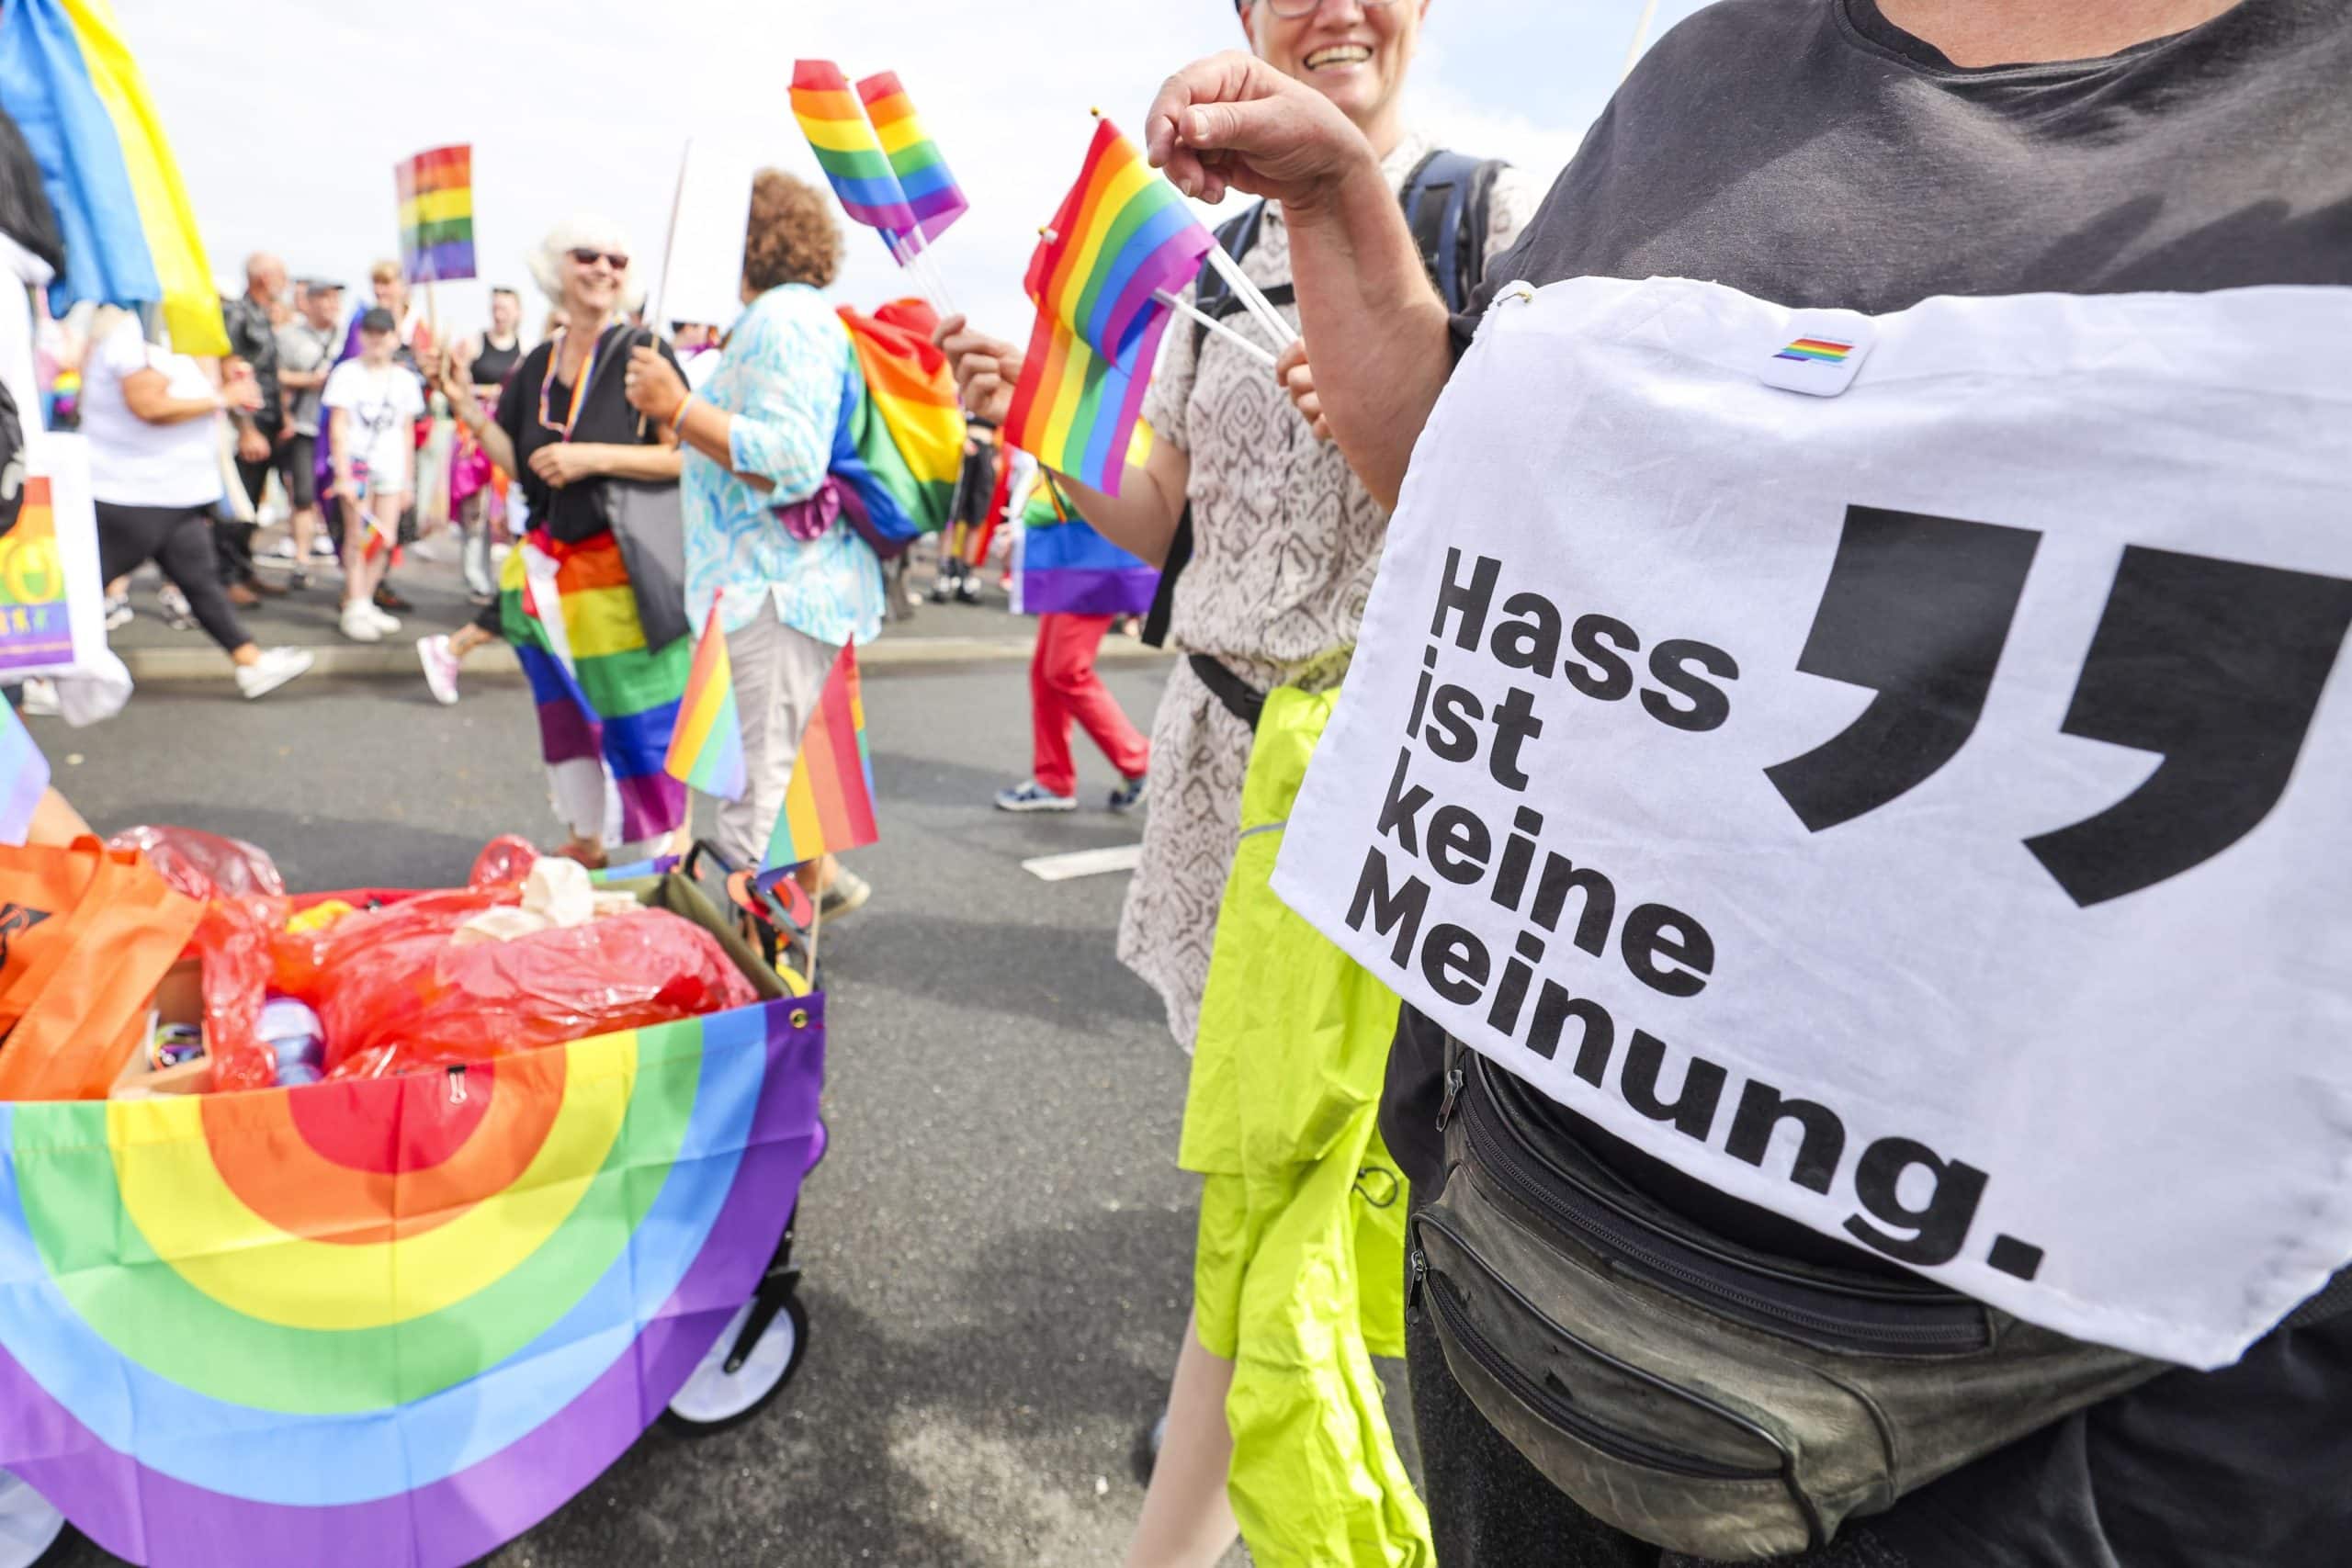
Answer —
(1292, 10)
(586, 256)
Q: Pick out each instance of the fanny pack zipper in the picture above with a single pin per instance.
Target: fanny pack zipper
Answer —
(1454, 1318)
(1526, 1176)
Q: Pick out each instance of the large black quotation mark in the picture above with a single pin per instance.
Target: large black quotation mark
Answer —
(2219, 667)
(1916, 609)
(2216, 666)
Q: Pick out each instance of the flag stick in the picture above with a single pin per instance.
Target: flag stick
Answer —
(1220, 327)
(1246, 293)
(1641, 36)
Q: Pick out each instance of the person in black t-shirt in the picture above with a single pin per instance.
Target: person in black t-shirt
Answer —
(563, 425)
(1868, 154)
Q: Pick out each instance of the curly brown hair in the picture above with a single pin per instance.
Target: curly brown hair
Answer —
(792, 237)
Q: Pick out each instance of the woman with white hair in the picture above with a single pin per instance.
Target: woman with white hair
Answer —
(606, 700)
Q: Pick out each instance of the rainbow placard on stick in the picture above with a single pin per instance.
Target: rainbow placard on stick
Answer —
(383, 1323)
(925, 178)
(436, 191)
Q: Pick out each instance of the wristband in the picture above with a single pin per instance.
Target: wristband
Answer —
(678, 418)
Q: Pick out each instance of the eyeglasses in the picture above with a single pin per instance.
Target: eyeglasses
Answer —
(1292, 10)
(586, 256)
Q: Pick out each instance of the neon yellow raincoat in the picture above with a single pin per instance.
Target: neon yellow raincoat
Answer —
(1299, 1274)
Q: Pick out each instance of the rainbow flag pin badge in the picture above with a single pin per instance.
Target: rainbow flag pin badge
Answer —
(1818, 352)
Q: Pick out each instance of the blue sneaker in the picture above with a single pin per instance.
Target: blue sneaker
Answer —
(1031, 796)
(1129, 795)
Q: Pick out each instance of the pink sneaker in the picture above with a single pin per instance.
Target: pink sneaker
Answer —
(440, 668)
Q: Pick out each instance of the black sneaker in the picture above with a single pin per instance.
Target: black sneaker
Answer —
(1129, 795)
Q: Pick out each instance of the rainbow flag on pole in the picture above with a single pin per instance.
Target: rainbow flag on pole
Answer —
(436, 190)
(68, 81)
(829, 807)
(706, 747)
(24, 777)
(1121, 234)
(923, 175)
(848, 150)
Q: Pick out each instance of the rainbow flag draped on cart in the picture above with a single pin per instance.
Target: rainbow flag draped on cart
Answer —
(388, 1323)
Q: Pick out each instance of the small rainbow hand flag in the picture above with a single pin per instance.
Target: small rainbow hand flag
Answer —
(848, 151)
(829, 807)
(1121, 234)
(24, 777)
(707, 747)
(923, 175)
(436, 190)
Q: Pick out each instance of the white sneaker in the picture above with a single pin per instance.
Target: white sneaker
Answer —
(359, 622)
(38, 699)
(386, 622)
(272, 669)
(323, 547)
(276, 549)
(440, 669)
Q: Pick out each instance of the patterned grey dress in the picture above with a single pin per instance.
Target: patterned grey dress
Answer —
(1284, 546)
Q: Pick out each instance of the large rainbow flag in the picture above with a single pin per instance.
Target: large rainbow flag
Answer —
(829, 807)
(382, 1323)
(437, 212)
(1068, 568)
(849, 151)
(68, 81)
(571, 614)
(706, 746)
(930, 187)
(1121, 234)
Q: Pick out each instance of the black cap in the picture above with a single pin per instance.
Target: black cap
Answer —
(376, 320)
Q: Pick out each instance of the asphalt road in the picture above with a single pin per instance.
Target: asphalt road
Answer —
(997, 1247)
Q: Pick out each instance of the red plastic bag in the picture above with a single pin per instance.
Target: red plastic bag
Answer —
(303, 962)
(234, 945)
(202, 865)
(503, 860)
(418, 1000)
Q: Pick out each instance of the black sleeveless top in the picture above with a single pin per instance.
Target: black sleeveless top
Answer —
(493, 365)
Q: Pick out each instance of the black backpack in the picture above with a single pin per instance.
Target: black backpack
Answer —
(1447, 198)
(12, 461)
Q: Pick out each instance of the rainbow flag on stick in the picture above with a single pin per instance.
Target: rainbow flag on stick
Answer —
(923, 175)
(70, 83)
(436, 190)
(706, 747)
(829, 807)
(24, 777)
(849, 151)
(1122, 235)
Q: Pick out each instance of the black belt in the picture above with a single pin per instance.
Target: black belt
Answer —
(1241, 699)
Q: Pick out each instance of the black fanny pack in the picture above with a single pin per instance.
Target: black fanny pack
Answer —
(1698, 1394)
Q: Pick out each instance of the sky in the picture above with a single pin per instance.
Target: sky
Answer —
(287, 115)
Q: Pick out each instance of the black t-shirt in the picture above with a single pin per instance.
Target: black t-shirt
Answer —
(1810, 153)
(577, 510)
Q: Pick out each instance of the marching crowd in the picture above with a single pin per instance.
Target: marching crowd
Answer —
(2178, 146)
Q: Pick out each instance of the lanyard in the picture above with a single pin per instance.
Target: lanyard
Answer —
(579, 390)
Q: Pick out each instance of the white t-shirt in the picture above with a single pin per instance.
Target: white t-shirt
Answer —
(133, 463)
(382, 404)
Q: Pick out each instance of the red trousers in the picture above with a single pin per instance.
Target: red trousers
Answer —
(1063, 686)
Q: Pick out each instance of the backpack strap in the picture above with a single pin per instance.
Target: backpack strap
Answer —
(1448, 199)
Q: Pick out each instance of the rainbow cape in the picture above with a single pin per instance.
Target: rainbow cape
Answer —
(24, 777)
(1068, 569)
(436, 211)
(384, 1324)
(68, 81)
(901, 442)
(848, 150)
(707, 747)
(923, 176)
(829, 807)
(571, 614)
(1121, 235)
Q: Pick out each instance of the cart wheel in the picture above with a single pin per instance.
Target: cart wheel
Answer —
(31, 1530)
(715, 1399)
